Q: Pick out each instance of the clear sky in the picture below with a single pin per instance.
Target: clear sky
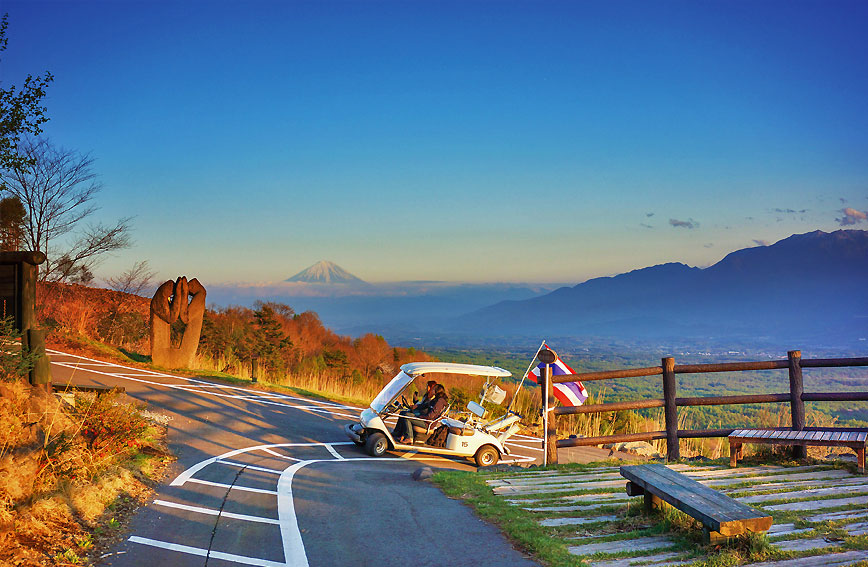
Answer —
(459, 141)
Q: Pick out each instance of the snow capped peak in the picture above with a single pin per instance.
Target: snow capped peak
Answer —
(324, 272)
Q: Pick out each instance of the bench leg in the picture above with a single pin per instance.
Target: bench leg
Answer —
(652, 502)
(860, 460)
(734, 453)
(709, 536)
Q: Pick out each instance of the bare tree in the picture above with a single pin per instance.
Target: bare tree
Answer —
(134, 280)
(57, 190)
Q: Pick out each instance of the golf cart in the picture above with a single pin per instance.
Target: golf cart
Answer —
(471, 437)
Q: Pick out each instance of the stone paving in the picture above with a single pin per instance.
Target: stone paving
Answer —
(816, 509)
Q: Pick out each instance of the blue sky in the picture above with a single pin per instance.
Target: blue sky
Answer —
(458, 141)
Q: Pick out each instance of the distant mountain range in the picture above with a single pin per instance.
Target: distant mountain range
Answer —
(325, 272)
(810, 286)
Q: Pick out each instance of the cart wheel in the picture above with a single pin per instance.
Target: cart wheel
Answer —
(486, 456)
(376, 444)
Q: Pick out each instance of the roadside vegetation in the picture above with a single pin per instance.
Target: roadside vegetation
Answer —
(70, 469)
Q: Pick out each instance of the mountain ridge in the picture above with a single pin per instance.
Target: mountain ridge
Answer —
(808, 285)
(325, 272)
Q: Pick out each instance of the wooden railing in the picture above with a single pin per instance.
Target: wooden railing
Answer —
(670, 402)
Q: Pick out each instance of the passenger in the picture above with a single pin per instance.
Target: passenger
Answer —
(434, 410)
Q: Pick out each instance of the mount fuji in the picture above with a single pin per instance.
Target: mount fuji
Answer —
(324, 272)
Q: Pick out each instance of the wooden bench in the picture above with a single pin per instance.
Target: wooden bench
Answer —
(829, 438)
(721, 516)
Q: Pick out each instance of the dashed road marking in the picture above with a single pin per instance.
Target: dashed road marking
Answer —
(233, 486)
(213, 512)
(206, 553)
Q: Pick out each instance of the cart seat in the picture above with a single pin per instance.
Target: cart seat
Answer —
(430, 425)
(458, 427)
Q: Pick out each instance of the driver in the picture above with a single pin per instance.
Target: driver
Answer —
(432, 412)
(417, 408)
(422, 405)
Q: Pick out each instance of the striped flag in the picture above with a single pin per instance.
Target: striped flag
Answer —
(568, 393)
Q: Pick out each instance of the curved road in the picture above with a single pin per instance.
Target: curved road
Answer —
(270, 479)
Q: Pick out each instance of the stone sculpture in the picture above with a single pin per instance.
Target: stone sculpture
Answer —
(183, 301)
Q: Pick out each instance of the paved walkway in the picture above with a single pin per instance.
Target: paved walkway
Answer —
(817, 511)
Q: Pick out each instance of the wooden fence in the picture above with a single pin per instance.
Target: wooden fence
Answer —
(670, 402)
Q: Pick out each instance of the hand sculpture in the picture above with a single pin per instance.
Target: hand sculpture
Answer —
(168, 305)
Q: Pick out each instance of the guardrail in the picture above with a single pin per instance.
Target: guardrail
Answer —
(670, 402)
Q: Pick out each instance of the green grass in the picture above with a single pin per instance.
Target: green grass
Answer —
(549, 545)
(520, 526)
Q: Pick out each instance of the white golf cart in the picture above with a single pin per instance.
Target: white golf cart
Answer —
(468, 437)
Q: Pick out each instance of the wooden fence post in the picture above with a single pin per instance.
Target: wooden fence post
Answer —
(670, 410)
(797, 406)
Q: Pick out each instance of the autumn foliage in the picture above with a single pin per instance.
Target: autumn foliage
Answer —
(269, 341)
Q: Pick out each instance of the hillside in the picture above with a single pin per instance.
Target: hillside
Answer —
(289, 348)
(808, 287)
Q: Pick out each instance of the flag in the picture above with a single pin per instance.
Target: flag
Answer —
(568, 393)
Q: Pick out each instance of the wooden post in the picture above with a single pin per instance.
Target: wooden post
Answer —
(670, 410)
(797, 406)
(548, 419)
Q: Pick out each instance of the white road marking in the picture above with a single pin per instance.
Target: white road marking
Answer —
(205, 553)
(293, 546)
(524, 447)
(132, 374)
(233, 486)
(276, 454)
(333, 452)
(188, 474)
(248, 467)
(518, 459)
(213, 512)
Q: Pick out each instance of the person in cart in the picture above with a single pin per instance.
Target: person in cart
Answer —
(422, 405)
(433, 410)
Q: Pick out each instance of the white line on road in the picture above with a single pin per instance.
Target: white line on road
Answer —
(205, 553)
(276, 454)
(233, 486)
(247, 467)
(213, 512)
(198, 383)
(333, 452)
(188, 474)
(524, 447)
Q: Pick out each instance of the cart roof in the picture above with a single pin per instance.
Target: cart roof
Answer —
(416, 368)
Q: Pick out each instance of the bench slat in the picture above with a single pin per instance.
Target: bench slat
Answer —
(716, 511)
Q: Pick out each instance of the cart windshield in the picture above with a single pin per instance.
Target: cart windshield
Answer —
(392, 390)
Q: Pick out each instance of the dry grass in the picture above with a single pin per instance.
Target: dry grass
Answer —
(62, 467)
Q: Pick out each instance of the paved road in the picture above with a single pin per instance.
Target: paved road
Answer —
(270, 479)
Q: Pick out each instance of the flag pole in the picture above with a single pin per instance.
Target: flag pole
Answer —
(544, 377)
(526, 372)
